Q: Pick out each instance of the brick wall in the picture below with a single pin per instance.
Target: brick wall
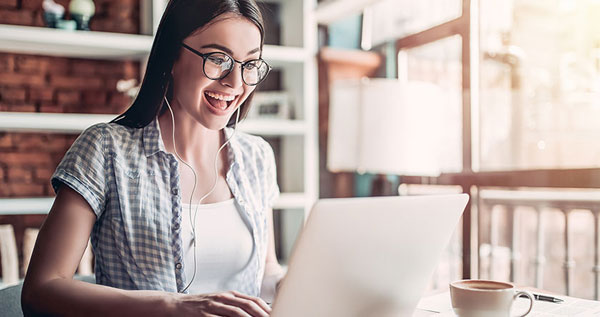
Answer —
(111, 15)
(31, 83)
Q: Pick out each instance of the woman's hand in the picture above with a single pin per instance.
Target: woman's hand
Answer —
(230, 304)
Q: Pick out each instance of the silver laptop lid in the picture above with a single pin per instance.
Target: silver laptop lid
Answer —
(367, 256)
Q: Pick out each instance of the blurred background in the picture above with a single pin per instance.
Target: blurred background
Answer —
(496, 98)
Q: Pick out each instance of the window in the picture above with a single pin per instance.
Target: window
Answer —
(524, 116)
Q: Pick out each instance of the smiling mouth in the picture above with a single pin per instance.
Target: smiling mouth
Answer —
(219, 101)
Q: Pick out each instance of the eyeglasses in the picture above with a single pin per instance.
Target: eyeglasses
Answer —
(218, 65)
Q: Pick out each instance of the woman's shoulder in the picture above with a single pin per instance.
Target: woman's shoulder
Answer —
(112, 136)
(107, 129)
(251, 143)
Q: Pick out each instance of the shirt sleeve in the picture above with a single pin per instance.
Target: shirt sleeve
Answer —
(83, 168)
(270, 180)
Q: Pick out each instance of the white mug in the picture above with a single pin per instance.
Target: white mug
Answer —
(477, 298)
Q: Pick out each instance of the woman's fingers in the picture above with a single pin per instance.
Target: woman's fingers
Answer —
(227, 310)
(261, 303)
(247, 306)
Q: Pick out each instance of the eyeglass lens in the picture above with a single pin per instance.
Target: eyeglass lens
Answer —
(219, 65)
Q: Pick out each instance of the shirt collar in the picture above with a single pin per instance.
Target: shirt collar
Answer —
(152, 139)
(235, 152)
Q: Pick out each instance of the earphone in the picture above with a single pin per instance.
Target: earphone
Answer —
(193, 219)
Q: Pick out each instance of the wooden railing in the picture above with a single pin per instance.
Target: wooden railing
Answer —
(562, 179)
(566, 202)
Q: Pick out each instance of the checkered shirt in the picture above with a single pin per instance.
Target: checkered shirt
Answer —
(132, 185)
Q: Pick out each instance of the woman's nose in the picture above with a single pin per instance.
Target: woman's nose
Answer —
(234, 78)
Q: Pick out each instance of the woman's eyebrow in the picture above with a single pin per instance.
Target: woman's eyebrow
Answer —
(227, 50)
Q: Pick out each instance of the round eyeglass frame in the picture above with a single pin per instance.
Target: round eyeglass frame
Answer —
(205, 56)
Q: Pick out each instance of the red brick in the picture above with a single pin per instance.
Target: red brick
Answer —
(43, 173)
(38, 20)
(85, 67)
(6, 140)
(111, 25)
(20, 175)
(85, 108)
(2, 174)
(7, 63)
(75, 82)
(31, 4)
(94, 97)
(73, 109)
(41, 94)
(19, 17)
(26, 159)
(58, 66)
(22, 79)
(24, 190)
(12, 4)
(131, 70)
(123, 70)
(120, 10)
(110, 69)
(49, 107)
(65, 3)
(47, 142)
(119, 100)
(28, 64)
(69, 139)
(48, 189)
(111, 83)
(12, 95)
(17, 107)
(67, 98)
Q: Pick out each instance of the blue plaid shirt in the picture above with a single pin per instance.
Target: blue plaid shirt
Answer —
(132, 185)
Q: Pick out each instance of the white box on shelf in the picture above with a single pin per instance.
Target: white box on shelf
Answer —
(270, 104)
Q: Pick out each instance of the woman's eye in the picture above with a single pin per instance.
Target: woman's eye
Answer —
(217, 60)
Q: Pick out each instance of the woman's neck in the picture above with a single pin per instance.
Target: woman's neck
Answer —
(196, 144)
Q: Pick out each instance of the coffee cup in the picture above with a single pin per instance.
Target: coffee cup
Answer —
(483, 298)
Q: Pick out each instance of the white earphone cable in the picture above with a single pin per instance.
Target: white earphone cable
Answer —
(193, 219)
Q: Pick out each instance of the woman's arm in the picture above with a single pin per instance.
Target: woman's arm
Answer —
(49, 288)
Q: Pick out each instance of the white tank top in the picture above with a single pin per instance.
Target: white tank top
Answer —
(223, 246)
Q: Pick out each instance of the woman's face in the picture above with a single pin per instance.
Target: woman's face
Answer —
(213, 102)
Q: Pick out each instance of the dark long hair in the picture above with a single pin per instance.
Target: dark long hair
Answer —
(180, 19)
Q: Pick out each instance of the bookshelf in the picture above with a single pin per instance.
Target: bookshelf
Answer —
(293, 56)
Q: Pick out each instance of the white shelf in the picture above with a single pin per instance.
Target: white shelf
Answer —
(77, 122)
(290, 201)
(105, 45)
(82, 44)
(282, 55)
(272, 127)
(25, 206)
(50, 122)
(332, 10)
(42, 205)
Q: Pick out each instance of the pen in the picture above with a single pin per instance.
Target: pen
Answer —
(545, 298)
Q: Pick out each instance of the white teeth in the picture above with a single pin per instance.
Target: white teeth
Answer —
(220, 97)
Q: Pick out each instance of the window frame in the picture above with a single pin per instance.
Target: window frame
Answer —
(470, 179)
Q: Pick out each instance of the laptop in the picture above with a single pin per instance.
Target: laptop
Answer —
(367, 256)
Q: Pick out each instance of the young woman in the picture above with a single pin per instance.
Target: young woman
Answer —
(178, 203)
